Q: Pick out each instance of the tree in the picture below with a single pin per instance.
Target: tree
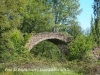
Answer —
(41, 16)
(65, 10)
(74, 29)
(10, 19)
(37, 17)
(65, 13)
(10, 14)
(96, 8)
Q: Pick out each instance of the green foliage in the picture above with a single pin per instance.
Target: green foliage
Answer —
(95, 31)
(10, 14)
(10, 19)
(47, 50)
(16, 37)
(18, 40)
(79, 46)
(20, 19)
(5, 47)
(65, 11)
(41, 16)
(96, 8)
(37, 17)
(74, 30)
(96, 24)
(11, 45)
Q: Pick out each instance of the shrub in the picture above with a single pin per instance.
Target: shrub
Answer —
(79, 46)
(11, 45)
(46, 49)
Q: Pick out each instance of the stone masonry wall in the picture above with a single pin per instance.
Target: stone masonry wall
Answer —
(35, 39)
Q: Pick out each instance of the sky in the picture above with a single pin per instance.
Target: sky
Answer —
(85, 17)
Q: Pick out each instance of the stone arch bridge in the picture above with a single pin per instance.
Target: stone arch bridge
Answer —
(55, 37)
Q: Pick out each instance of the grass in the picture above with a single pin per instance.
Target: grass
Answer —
(75, 67)
(41, 73)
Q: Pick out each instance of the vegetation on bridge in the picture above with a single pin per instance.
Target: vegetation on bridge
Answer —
(21, 19)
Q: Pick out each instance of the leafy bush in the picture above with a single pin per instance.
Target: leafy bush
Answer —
(11, 44)
(17, 39)
(46, 49)
(79, 46)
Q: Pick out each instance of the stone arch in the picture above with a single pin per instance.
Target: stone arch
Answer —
(55, 37)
